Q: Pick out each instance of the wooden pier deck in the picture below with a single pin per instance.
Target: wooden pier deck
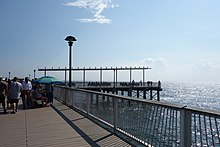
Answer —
(55, 126)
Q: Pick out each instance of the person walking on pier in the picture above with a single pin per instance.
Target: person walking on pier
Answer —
(3, 92)
(14, 93)
(49, 91)
(8, 99)
(26, 98)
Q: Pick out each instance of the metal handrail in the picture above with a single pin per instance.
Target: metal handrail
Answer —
(152, 123)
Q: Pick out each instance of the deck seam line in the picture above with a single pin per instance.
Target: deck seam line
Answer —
(26, 131)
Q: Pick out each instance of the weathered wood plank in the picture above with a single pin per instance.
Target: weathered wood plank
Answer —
(45, 127)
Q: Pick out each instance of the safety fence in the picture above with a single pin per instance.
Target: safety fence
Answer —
(151, 123)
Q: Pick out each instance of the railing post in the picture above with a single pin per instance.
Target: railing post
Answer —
(65, 96)
(115, 113)
(68, 97)
(185, 128)
(73, 98)
(88, 102)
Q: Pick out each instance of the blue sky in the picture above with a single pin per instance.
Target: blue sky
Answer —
(179, 40)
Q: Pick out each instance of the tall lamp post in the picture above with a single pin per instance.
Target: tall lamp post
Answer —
(70, 40)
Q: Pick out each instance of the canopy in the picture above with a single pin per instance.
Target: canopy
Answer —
(47, 80)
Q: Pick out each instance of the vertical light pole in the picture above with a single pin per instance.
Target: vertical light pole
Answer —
(9, 74)
(65, 75)
(70, 40)
(45, 71)
(34, 74)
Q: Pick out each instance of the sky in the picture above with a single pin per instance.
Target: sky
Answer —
(179, 40)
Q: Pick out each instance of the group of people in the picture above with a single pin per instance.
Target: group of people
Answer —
(12, 90)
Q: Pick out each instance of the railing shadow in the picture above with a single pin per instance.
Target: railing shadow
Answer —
(77, 129)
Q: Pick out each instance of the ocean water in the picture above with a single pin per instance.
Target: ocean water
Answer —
(193, 95)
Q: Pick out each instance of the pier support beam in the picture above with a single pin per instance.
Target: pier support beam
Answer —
(130, 92)
(158, 95)
(144, 94)
(138, 94)
(151, 95)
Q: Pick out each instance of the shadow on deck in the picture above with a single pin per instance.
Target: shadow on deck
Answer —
(53, 126)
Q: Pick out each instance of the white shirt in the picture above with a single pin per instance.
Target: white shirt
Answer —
(26, 86)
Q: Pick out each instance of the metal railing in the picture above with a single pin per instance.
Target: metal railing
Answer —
(152, 123)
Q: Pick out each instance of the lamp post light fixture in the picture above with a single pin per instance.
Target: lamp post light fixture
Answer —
(70, 40)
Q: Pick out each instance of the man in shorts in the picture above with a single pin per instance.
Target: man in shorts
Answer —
(14, 93)
(3, 92)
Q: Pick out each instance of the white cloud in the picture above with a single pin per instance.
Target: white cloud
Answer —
(96, 7)
(203, 64)
(153, 62)
(100, 19)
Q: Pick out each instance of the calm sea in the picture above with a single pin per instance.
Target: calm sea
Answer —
(194, 95)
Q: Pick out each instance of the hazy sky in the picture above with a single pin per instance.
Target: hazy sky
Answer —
(178, 39)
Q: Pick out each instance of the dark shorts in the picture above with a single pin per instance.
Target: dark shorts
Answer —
(2, 98)
(13, 100)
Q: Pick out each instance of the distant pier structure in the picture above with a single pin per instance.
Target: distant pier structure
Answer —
(142, 89)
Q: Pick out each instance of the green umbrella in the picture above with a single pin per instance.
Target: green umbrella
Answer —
(47, 80)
